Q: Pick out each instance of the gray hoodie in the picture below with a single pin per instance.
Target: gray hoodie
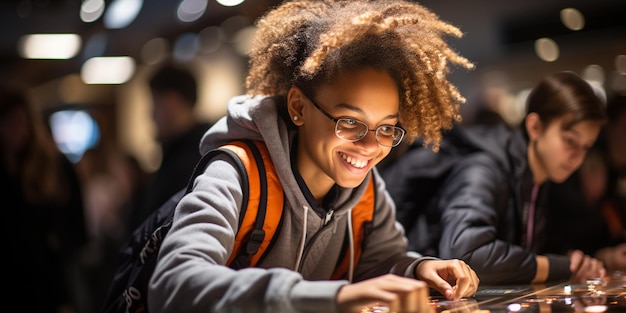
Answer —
(190, 275)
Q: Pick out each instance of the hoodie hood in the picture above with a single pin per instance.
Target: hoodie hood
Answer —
(257, 118)
(254, 118)
(248, 117)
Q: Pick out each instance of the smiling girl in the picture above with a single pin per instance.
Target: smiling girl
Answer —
(333, 86)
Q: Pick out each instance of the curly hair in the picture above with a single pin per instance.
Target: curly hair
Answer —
(305, 43)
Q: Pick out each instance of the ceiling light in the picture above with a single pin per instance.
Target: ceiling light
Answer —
(230, 3)
(91, 10)
(121, 13)
(191, 10)
(547, 49)
(572, 19)
(107, 70)
(49, 46)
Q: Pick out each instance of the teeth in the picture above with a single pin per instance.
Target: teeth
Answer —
(355, 162)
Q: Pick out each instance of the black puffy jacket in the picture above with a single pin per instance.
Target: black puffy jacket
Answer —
(467, 200)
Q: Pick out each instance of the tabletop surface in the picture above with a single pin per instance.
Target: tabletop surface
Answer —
(601, 295)
(594, 296)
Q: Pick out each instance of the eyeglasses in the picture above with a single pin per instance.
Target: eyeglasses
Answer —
(353, 130)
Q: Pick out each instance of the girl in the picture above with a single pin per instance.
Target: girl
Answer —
(333, 87)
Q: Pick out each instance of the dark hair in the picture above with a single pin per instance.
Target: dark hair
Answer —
(12, 97)
(565, 93)
(42, 176)
(616, 106)
(171, 78)
(307, 42)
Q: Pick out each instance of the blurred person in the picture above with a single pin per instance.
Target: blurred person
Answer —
(112, 182)
(178, 130)
(44, 224)
(482, 198)
(589, 208)
(332, 87)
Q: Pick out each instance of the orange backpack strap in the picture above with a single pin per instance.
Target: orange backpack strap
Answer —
(257, 224)
(362, 222)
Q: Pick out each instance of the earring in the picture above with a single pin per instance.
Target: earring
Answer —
(295, 118)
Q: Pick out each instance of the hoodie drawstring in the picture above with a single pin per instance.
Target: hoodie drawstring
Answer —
(303, 240)
(350, 235)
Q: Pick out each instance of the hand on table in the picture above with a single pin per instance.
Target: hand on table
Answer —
(584, 267)
(401, 294)
(440, 274)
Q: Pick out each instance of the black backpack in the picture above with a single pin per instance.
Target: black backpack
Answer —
(137, 259)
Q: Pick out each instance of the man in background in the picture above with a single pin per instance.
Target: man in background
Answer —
(178, 130)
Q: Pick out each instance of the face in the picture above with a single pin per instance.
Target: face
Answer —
(324, 159)
(554, 152)
(163, 114)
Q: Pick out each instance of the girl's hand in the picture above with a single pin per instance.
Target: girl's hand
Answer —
(440, 274)
(401, 294)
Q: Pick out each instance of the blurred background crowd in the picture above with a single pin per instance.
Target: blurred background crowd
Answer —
(103, 103)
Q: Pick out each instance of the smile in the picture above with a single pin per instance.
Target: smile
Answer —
(353, 161)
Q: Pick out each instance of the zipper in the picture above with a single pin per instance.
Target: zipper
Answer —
(329, 216)
(307, 247)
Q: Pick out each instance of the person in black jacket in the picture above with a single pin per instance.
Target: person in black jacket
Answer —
(178, 130)
(480, 198)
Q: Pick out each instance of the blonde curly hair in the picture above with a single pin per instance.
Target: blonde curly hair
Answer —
(306, 42)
